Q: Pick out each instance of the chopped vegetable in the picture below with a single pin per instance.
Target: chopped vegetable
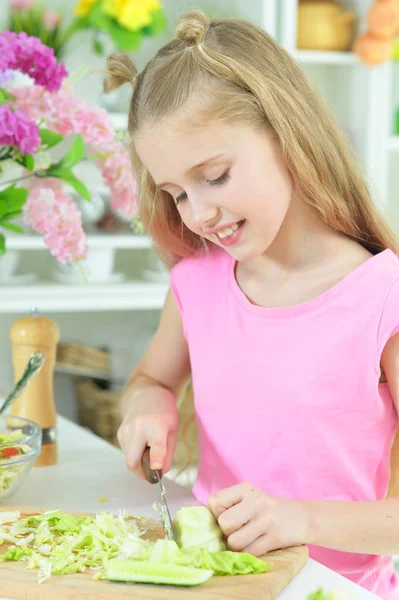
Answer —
(10, 472)
(196, 526)
(60, 543)
(320, 594)
(221, 563)
(141, 572)
(7, 452)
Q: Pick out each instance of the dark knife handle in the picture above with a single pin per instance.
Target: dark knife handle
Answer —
(150, 475)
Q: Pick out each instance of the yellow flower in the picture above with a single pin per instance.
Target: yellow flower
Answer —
(131, 14)
(84, 7)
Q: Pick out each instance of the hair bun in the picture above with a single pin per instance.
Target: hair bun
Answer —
(192, 28)
(120, 70)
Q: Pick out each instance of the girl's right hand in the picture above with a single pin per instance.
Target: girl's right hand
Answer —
(151, 419)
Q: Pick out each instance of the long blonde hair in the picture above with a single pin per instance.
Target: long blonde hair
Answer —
(243, 74)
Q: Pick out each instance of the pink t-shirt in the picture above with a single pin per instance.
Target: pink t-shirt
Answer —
(289, 398)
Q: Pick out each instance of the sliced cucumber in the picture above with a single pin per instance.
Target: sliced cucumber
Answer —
(141, 572)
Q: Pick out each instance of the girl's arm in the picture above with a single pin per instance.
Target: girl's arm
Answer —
(366, 527)
(148, 403)
(166, 362)
(257, 522)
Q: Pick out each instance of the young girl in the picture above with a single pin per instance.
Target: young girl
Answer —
(283, 307)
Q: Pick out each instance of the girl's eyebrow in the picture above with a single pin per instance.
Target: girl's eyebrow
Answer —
(195, 167)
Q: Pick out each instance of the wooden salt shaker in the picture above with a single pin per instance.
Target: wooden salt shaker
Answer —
(37, 334)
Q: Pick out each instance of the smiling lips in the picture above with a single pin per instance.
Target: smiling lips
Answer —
(230, 235)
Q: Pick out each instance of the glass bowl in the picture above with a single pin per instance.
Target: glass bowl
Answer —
(20, 443)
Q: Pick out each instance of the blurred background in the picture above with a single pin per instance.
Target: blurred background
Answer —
(108, 311)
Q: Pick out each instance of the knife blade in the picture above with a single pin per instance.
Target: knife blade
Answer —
(155, 477)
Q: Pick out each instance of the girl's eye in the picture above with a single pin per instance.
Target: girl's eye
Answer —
(182, 196)
(220, 180)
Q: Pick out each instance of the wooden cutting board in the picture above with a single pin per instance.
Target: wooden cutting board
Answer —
(20, 584)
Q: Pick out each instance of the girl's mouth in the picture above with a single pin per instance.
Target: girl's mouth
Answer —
(230, 235)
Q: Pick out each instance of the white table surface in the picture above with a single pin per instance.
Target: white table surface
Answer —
(89, 468)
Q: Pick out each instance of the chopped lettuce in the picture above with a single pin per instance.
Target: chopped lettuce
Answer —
(10, 472)
(221, 563)
(320, 594)
(59, 543)
(196, 526)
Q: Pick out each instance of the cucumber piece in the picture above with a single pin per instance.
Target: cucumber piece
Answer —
(141, 572)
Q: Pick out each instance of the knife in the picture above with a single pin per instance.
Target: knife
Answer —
(155, 477)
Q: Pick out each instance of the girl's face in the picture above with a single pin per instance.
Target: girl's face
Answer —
(228, 182)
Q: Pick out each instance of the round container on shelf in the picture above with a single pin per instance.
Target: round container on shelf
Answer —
(324, 25)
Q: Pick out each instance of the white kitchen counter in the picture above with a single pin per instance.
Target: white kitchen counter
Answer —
(89, 468)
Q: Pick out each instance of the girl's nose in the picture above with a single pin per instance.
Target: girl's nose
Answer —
(204, 214)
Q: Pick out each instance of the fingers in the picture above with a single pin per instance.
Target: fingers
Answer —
(170, 451)
(234, 518)
(224, 499)
(162, 443)
(158, 449)
(260, 546)
(245, 536)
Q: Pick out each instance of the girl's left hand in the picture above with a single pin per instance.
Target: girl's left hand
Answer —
(256, 522)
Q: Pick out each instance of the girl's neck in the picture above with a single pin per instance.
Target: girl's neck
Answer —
(304, 241)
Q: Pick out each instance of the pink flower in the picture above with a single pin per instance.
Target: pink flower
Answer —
(20, 52)
(118, 174)
(54, 215)
(21, 4)
(51, 19)
(67, 115)
(17, 129)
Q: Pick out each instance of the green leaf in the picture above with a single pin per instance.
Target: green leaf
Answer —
(98, 47)
(157, 25)
(29, 162)
(2, 244)
(50, 138)
(74, 155)
(98, 19)
(26, 160)
(11, 227)
(12, 199)
(11, 215)
(69, 177)
(123, 38)
(5, 96)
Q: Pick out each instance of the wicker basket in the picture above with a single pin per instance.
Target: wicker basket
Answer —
(99, 410)
(75, 353)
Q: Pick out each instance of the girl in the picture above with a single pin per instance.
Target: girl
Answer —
(283, 307)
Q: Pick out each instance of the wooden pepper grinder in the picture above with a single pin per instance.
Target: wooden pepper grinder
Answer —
(37, 334)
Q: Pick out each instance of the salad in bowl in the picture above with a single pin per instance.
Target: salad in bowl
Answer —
(20, 443)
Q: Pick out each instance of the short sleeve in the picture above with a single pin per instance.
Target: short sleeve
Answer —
(389, 321)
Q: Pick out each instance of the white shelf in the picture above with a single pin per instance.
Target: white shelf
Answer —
(119, 120)
(82, 298)
(104, 240)
(393, 143)
(324, 57)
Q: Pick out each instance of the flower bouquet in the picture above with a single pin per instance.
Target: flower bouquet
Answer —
(34, 121)
(125, 22)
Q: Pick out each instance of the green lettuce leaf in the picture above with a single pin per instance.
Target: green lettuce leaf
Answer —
(196, 526)
(221, 563)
